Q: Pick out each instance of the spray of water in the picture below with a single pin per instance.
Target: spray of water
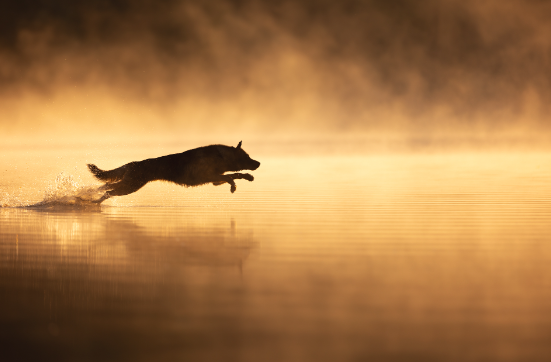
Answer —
(9, 200)
(65, 191)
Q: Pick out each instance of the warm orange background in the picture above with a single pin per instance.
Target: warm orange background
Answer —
(142, 70)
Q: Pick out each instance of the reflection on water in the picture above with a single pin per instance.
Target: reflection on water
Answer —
(383, 258)
(96, 285)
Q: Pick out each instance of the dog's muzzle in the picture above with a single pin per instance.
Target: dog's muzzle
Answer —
(254, 165)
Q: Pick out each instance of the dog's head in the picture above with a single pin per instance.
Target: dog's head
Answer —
(236, 159)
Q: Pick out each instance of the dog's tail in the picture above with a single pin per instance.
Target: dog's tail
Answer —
(107, 176)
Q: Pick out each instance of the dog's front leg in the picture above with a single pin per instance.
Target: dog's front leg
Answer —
(224, 178)
(245, 176)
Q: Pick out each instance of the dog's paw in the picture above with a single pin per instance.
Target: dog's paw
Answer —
(233, 188)
(248, 177)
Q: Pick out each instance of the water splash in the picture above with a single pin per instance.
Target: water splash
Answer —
(9, 200)
(65, 191)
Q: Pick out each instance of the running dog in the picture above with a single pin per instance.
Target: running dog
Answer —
(195, 167)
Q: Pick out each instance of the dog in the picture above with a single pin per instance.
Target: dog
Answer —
(194, 167)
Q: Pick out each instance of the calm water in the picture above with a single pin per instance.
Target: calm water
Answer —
(380, 257)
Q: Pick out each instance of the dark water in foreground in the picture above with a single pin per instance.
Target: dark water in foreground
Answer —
(371, 258)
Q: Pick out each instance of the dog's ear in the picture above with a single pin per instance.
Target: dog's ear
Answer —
(239, 145)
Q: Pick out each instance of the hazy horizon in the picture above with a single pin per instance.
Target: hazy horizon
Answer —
(124, 70)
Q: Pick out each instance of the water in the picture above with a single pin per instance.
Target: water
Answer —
(373, 257)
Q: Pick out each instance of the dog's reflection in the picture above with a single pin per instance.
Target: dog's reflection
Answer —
(117, 279)
(216, 246)
(134, 239)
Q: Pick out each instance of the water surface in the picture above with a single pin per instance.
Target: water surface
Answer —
(379, 257)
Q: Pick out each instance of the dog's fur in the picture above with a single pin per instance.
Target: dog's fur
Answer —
(190, 168)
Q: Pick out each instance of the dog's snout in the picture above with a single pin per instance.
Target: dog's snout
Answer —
(255, 164)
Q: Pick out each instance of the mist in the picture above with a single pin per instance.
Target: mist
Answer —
(142, 69)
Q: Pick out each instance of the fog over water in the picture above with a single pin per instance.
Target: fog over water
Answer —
(121, 70)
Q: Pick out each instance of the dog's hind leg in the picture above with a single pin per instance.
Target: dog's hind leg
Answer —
(107, 186)
(98, 201)
(102, 199)
(125, 187)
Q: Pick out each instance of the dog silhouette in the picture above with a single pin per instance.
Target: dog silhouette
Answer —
(194, 167)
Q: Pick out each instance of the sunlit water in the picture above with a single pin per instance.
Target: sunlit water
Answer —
(378, 257)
